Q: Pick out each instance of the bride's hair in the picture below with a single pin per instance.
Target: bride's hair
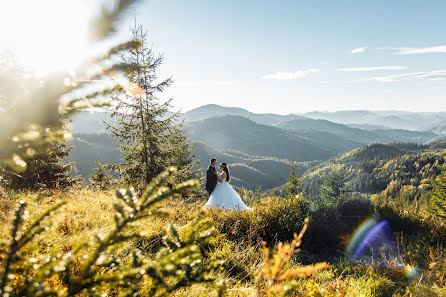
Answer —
(226, 169)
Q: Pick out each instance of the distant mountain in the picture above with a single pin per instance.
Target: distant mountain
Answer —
(438, 128)
(418, 121)
(401, 135)
(247, 171)
(368, 127)
(92, 122)
(87, 148)
(214, 110)
(259, 147)
(241, 134)
(344, 117)
(87, 122)
(352, 134)
(359, 135)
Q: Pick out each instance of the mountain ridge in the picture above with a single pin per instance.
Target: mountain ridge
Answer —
(245, 140)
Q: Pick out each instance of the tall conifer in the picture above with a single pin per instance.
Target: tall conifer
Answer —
(151, 137)
(438, 195)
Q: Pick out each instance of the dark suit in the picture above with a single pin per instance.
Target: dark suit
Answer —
(211, 179)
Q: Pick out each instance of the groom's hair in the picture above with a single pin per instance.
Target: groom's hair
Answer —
(213, 160)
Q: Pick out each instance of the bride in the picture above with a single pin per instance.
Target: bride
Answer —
(224, 195)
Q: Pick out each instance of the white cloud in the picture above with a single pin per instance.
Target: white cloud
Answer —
(430, 75)
(192, 84)
(359, 50)
(223, 83)
(419, 50)
(357, 69)
(288, 75)
(187, 83)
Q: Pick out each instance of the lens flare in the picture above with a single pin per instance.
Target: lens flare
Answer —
(373, 244)
(410, 271)
(135, 90)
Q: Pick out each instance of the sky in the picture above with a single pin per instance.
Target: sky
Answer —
(265, 56)
(299, 56)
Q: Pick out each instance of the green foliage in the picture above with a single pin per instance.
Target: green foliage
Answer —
(294, 184)
(44, 170)
(335, 188)
(438, 195)
(150, 139)
(101, 179)
(180, 262)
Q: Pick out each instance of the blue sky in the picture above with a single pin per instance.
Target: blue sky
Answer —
(230, 53)
(265, 56)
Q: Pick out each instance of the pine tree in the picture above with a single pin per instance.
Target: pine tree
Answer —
(44, 170)
(294, 183)
(151, 139)
(438, 195)
(100, 179)
(334, 187)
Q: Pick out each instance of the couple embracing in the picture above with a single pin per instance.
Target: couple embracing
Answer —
(221, 193)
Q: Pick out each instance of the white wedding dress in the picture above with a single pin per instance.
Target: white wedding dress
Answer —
(224, 196)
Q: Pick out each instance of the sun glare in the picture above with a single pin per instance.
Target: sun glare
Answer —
(45, 36)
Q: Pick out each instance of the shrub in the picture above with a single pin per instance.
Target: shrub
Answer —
(273, 219)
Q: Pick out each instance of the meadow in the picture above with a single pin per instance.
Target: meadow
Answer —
(244, 244)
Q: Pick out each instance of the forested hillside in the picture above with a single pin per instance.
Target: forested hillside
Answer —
(391, 169)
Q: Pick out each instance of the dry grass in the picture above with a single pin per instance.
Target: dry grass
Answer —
(89, 212)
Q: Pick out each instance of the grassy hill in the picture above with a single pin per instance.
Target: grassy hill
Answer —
(235, 244)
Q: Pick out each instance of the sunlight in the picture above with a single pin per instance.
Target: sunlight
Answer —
(46, 36)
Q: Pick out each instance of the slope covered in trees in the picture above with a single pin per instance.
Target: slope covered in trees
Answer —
(389, 169)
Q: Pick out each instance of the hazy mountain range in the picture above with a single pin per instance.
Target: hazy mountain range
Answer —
(417, 121)
(259, 147)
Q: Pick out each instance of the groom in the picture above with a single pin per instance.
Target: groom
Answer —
(211, 177)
